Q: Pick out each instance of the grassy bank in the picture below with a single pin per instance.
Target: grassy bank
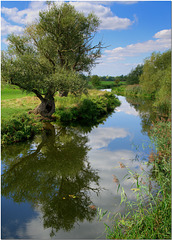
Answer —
(17, 125)
(150, 218)
(132, 90)
(85, 109)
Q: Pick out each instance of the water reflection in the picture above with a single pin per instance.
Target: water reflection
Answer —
(53, 173)
(146, 111)
(101, 137)
(56, 174)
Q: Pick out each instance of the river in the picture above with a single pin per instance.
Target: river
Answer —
(53, 185)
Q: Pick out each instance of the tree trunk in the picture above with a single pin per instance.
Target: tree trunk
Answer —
(46, 108)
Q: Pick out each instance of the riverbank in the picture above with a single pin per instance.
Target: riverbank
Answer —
(18, 125)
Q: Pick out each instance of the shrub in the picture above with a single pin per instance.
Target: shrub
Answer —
(119, 90)
(89, 110)
(18, 129)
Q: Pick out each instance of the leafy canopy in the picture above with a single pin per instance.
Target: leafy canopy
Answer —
(52, 52)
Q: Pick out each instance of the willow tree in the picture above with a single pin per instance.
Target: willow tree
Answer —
(51, 53)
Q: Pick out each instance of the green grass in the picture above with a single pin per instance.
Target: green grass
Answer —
(13, 107)
(12, 92)
(107, 83)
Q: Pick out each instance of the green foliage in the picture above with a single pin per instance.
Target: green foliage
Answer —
(88, 110)
(156, 79)
(163, 95)
(136, 91)
(161, 136)
(133, 76)
(95, 80)
(18, 129)
(119, 90)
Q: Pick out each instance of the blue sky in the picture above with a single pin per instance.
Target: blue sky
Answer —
(132, 30)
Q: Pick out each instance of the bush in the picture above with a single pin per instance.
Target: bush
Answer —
(89, 110)
(18, 129)
(119, 90)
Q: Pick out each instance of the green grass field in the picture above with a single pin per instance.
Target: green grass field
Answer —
(14, 102)
(12, 92)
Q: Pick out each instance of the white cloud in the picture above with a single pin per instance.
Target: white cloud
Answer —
(28, 15)
(113, 68)
(125, 107)
(115, 23)
(37, 5)
(162, 42)
(7, 28)
(107, 18)
(25, 16)
(164, 34)
(101, 137)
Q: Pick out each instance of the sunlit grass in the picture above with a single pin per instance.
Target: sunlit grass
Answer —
(13, 107)
(12, 92)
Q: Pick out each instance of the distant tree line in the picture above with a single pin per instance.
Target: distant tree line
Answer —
(131, 78)
(153, 74)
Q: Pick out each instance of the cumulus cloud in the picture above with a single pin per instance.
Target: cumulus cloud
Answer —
(164, 34)
(107, 18)
(162, 42)
(7, 28)
(15, 19)
(25, 16)
(101, 137)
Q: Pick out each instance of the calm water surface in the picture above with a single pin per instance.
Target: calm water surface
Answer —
(52, 185)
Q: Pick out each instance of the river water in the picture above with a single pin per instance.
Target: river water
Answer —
(53, 185)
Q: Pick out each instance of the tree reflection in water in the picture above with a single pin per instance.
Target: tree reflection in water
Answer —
(147, 111)
(53, 172)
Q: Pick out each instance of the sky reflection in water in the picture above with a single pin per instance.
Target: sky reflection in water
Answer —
(52, 181)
